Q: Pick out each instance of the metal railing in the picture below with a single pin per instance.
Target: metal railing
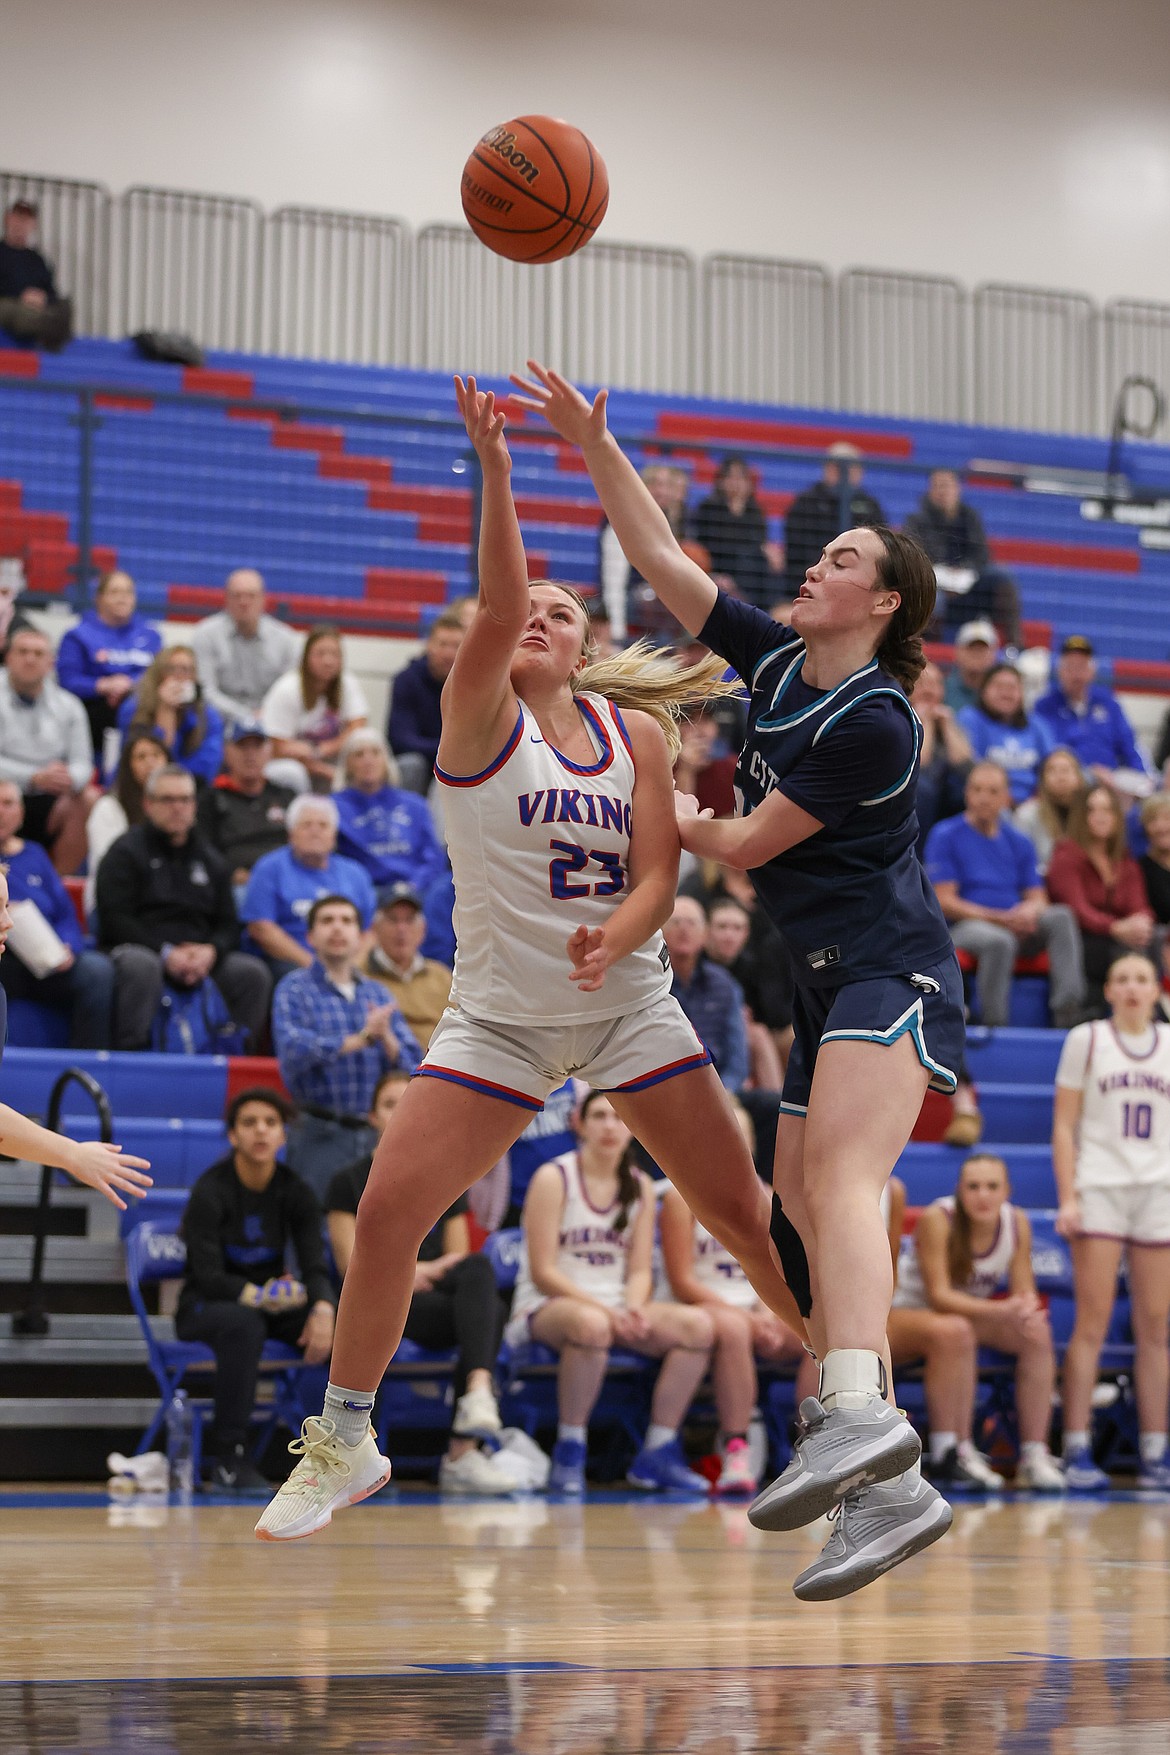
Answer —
(32, 1320)
(316, 283)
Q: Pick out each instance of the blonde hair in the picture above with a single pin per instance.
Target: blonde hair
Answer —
(365, 737)
(647, 679)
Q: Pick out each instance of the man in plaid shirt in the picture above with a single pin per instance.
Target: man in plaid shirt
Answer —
(335, 1033)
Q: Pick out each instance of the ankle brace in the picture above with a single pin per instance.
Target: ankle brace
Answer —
(851, 1377)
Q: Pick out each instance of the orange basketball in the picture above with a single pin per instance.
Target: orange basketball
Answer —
(535, 189)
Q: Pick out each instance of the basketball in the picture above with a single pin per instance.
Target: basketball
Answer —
(535, 189)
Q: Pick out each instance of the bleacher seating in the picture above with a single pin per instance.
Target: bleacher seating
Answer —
(370, 521)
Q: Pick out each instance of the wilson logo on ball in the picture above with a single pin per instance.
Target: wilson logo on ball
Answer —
(503, 141)
(534, 189)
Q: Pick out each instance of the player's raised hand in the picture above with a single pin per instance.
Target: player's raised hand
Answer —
(108, 1169)
(484, 422)
(590, 957)
(562, 405)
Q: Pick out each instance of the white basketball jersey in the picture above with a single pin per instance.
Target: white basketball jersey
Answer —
(540, 845)
(591, 1251)
(1124, 1134)
(718, 1271)
(989, 1272)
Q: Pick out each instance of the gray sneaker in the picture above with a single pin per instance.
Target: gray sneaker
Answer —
(836, 1451)
(876, 1528)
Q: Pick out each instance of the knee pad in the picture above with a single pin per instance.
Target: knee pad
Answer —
(793, 1257)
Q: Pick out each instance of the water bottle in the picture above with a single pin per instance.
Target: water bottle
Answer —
(180, 1445)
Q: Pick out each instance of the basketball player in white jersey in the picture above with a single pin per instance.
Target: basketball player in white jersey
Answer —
(1111, 1155)
(970, 1249)
(703, 1273)
(564, 848)
(585, 1285)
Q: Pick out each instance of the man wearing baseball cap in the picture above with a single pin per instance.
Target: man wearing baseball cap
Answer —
(242, 813)
(1087, 718)
(420, 987)
(30, 309)
(976, 650)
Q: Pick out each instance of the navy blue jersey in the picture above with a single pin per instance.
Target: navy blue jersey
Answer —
(852, 901)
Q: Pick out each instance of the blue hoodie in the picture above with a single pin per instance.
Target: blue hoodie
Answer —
(391, 833)
(204, 761)
(94, 649)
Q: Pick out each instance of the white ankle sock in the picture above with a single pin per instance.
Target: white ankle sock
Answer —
(570, 1434)
(350, 1411)
(851, 1377)
(657, 1436)
(941, 1443)
(1152, 1446)
(1075, 1441)
(1033, 1449)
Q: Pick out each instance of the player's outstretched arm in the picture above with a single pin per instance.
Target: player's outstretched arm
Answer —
(479, 707)
(653, 866)
(744, 843)
(106, 1168)
(638, 521)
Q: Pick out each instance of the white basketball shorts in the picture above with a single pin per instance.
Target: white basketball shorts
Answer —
(1133, 1212)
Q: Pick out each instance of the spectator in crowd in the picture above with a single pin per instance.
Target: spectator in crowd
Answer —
(1088, 719)
(242, 650)
(1102, 885)
(243, 813)
(103, 658)
(45, 747)
(335, 1033)
(81, 982)
(387, 830)
(630, 605)
(816, 516)
(243, 1218)
(943, 1342)
(121, 808)
(1155, 861)
(708, 994)
(706, 766)
(1111, 1157)
(169, 702)
(702, 1273)
(1044, 816)
(419, 986)
(415, 719)
(731, 526)
(729, 927)
(586, 1284)
(165, 912)
(953, 536)
(439, 908)
(12, 584)
(944, 757)
(309, 712)
(31, 309)
(970, 1249)
(729, 712)
(762, 967)
(455, 1304)
(1000, 730)
(284, 884)
(984, 874)
(976, 650)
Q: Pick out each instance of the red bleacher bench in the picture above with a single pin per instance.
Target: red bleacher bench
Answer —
(1147, 675)
(1037, 965)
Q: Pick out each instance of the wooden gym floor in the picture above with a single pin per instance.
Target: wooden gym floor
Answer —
(623, 1625)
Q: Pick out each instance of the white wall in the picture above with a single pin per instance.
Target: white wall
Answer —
(1020, 140)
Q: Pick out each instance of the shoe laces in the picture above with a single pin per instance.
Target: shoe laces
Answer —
(317, 1446)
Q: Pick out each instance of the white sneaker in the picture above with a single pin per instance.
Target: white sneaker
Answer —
(473, 1472)
(736, 1475)
(476, 1415)
(1040, 1473)
(329, 1476)
(978, 1470)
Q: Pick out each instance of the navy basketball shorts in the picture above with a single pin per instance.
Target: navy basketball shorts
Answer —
(927, 1006)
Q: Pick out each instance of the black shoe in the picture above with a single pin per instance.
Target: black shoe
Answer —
(233, 1473)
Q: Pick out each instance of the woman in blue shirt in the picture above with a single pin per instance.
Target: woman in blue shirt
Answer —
(1001, 731)
(169, 702)
(82, 984)
(103, 658)
(387, 830)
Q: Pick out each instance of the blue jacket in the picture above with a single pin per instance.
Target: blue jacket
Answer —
(391, 833)
(205, 762)
(1101, 735)
(31, 878)
(282, 889)
(1019, 749)
(416, 717)
(713, 1002)
(93, 650)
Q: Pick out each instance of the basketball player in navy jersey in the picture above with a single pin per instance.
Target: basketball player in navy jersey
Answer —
(827, 828)
(104, 1167)
(564, 848)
